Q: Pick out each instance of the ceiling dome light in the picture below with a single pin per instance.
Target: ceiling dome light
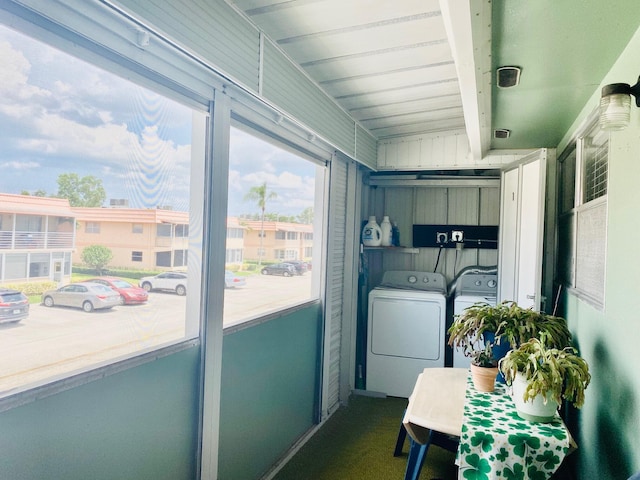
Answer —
(615, 105)
(508, 77)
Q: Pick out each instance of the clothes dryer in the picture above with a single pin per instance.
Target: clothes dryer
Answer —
(406, 330)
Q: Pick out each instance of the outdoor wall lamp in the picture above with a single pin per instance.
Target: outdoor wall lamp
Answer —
(615, 105)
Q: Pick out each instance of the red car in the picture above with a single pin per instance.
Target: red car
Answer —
(129, 294)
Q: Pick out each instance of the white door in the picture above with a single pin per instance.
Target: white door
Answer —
(522, 230)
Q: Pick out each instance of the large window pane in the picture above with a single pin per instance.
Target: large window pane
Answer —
(99, 164)
(274, 197)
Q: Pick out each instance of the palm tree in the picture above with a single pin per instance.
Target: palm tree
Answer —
(260, 195)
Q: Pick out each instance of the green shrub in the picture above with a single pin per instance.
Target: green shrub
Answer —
(116, 272)
(32, 288)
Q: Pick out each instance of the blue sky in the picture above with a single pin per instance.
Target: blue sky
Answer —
(59, 115)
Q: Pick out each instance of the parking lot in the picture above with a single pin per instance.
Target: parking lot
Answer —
(57, 340)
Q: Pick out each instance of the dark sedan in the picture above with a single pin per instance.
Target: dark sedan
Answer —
(300, 266)
(284, 269)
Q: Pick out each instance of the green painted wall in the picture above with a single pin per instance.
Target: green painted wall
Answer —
(269, 391)
(609, 422)
(140, 424)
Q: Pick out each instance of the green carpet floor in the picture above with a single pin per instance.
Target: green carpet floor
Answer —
(357, 443)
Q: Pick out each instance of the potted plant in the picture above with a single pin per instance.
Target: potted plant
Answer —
(543, 376)
(484, 368)
(505, 325)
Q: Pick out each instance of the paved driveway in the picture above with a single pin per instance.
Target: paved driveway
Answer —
(57, 340)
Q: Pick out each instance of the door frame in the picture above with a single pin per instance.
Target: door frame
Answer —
(512, 283)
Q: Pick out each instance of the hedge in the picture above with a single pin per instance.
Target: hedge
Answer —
(32, 288)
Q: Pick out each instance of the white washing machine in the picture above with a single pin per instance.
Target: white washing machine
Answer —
(472, 288)
(406, 329)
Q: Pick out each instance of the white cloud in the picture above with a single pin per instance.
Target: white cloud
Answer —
(15, 165)
(65, 115)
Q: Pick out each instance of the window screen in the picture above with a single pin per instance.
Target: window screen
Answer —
(595, 151)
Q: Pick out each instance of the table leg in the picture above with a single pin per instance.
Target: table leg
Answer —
(402, 435)
(417, 454)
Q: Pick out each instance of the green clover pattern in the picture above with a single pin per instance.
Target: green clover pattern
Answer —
(497, 444)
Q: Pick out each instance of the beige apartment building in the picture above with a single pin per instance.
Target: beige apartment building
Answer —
(41, 237)
(278, 240)
(36, 238)
(148, 239)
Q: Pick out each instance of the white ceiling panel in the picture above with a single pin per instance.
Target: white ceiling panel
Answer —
(389, 64)
(376, 57)
(418, 55)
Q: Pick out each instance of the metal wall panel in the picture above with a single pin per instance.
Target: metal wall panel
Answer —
(210, 29)
(432, 206)
(335, 285)
(288, 88)
(366, 147)
(450, 151)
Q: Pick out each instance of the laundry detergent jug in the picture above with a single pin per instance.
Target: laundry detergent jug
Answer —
(371, 233)
(385, 228)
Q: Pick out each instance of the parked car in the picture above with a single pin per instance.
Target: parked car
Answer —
(300, 266)
(232, 280)
(174, 281)
(14, 305)
(85, 295)
(284, 269)
(129, 294)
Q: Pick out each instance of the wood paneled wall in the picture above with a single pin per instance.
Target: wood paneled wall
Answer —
(430, 205)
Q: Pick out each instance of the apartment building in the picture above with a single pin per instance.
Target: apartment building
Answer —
(36, 238)
(146, 239)
(277, 240)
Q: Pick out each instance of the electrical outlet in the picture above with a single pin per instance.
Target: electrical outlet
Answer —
(442, 237)
(457, 236)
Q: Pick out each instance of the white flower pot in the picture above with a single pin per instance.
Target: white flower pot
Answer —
(536, 409)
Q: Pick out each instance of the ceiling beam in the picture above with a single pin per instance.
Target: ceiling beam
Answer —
(468, 27)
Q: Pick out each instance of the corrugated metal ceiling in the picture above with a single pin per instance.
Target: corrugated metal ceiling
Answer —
(421, 66)
(389, 64)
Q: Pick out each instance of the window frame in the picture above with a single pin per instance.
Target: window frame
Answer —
(161, 69)
(585, 278)
(256, 120)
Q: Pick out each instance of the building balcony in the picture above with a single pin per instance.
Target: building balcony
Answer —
(25, 240)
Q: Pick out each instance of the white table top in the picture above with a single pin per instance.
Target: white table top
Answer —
(437, 403)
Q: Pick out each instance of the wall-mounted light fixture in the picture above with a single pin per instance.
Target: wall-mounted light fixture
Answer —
(615, 105)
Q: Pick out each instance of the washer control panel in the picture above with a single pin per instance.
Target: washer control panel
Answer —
(478, 284)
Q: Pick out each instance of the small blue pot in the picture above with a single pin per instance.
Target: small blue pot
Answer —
(499, 350)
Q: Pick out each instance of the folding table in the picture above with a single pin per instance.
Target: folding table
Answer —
(434, 414)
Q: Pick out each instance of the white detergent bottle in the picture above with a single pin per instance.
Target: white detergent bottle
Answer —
(371, 233)
(386, 230)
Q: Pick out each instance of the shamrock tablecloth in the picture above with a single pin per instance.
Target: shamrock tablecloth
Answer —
(497, 444)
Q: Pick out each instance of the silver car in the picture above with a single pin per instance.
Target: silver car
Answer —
(85, 295)
(175, 281)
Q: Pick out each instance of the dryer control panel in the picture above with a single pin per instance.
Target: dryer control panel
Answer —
(414, 280)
